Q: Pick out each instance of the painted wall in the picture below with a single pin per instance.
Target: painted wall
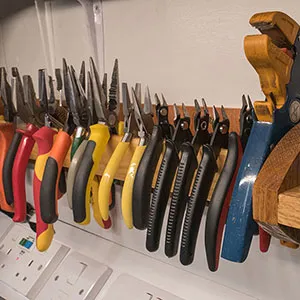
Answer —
(185, 49)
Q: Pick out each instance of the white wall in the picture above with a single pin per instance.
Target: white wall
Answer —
(185, 49)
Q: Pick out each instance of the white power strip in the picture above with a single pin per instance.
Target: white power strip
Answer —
(127, 287)
(22, 267)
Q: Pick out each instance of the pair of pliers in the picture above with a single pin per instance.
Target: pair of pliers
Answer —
(221, 197)
(184, 177)
(107, 124)
(6, 133)
(166, 173)
(274, 55)
(202, 184)
(142, 186)
(144, 120)
(19, 152)
(83, 110)
(44, 139)
(130, 131)
(49, 190)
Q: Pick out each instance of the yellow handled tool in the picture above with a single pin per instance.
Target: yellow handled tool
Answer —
(128, 186)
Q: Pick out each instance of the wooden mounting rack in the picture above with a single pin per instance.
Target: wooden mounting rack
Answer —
(233, 114)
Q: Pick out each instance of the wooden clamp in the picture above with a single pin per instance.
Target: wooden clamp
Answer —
(276, 192)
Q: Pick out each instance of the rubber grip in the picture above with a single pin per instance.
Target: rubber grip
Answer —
(184, 177)
(44, 232)
(93, 152)
(203, 180)
(74, 165)
(75, 144)
(161, 195)
(108, 177)
(143, 180)
(95, 205)
(50, 178)
(264, 240)
(8, 166)
(19, 171)
(220, 200)
(6, 136)
(128, 186)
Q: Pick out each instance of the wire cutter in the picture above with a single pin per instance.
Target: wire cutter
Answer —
(130, 131)
(220, 200)
(54, 163)
(184, 177)
(275, 56)
(202, 184)
(33, 116)
(144, 120)
(107, 119)
(6, 134)
(144, 176)
(165, 177)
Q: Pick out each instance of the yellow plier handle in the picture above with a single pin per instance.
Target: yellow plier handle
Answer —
(128, 186)
(108, 177)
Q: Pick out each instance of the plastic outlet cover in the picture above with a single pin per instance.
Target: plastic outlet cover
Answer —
(78, 278)
(22, 267)
(127, 287)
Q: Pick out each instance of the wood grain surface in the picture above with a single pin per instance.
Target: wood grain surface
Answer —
(279, 174)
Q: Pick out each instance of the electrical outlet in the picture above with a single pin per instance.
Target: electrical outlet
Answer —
(77, 278)
(127, 287)
(22, 266)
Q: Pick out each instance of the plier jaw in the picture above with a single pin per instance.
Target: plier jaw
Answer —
(201, 122)
(162, 112)
(6, 96)
(247, 115)
(219, 137)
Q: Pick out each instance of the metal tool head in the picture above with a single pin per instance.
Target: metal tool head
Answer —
(104, 84)
(148, 108)
(246, 119)
(38, 113)
(130, 125)
(176, 114)
(6, 97)
(143, 119)
(201, 122)
(24, 104)
(114, 90)
(182, 131)
(162, 112)
(82, 78)
(107, 115)
(79, 102)
(138, 91)
(92, 117)
(219, 137)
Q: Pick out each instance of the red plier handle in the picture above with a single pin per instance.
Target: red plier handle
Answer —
(19, 170)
